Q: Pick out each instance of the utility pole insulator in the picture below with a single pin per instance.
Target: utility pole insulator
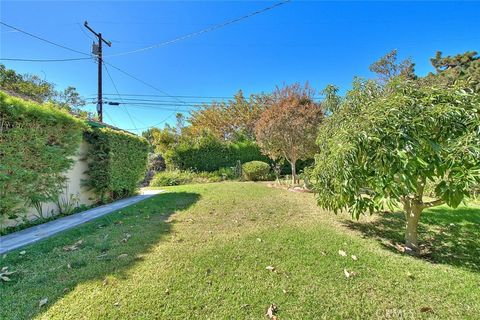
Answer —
(97, 50)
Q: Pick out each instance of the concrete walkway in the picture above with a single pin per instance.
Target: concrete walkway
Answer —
(27, 236)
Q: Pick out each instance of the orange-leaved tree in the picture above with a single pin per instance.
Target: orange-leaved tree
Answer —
(289, 125)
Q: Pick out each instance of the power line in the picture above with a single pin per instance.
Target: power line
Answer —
(179, 96)
(115, 86)
(209, 29)
(151, 86)
(44, 60)
(176, 96)
(42, 39)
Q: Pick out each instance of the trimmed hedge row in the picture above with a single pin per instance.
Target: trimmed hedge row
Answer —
(36, 145)
(117, 162)
(210, 154)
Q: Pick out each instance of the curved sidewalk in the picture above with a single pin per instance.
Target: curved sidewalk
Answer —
(21, 238)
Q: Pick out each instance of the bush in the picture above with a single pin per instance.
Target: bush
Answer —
(37, 142)
(210, 154)
(256, 170)
(171, 178)
(118, 162)
(177, 177)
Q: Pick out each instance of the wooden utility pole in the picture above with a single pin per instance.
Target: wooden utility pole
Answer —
(97, 50)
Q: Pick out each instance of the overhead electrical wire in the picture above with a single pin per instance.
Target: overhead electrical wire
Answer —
(43, 39)
(151, 86)
(206, 30)
(209, 29)
(115, 87)
(44, 60)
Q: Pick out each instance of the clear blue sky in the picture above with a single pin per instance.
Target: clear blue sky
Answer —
(322, 42)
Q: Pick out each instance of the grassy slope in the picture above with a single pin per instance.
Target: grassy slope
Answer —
(208, 261)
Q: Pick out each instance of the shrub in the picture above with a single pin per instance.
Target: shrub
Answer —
(37, 142)
(208, 153)
(177, 177)
(118, 162)
(256, 170)
(171, 178)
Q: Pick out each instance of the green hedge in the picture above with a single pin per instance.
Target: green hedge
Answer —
(177, 177)
(117, 162)
(37, 142)
(210, 154)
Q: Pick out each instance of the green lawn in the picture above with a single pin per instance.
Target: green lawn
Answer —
(201, 252)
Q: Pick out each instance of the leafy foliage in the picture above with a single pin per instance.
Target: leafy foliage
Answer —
(256, 170)
(450, 69)
(229, 120)
(383, 145)
(34, 88)
(118, 162)
(288, 127)
(388, 68)
(177, 177)
(36, 146)
(208, 153)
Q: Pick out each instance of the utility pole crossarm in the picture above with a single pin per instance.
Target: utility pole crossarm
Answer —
(100, 68)
(108, 43)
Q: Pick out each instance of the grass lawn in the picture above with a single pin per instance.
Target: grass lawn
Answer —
(201, 252)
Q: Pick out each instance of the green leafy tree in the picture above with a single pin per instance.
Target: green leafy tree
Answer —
(229, 120)
(388, 67)
(385, 144)
(332, 100)
(34, 88)
(288, 127)
(164, 139)
(449, 69)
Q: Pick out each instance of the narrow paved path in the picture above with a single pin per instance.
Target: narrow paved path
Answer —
(27, 236)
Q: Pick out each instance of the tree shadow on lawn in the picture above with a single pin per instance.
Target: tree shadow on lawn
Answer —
(446, 235)
(110, 246)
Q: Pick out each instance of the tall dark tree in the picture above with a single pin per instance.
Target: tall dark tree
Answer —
(460, 67)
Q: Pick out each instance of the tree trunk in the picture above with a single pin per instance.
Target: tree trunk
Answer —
(294, 173)
(412, 216)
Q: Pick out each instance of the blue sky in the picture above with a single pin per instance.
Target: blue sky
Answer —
(319, 42)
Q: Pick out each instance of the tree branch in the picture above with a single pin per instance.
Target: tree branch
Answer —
(432, 203)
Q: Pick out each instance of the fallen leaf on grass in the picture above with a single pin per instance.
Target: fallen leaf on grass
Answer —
(4, 273)
(102, 255)
(426, 309)
(349, 274)
(74, 246)
(126, 236)
(342, 253)
(271, 312)
(42, 302)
